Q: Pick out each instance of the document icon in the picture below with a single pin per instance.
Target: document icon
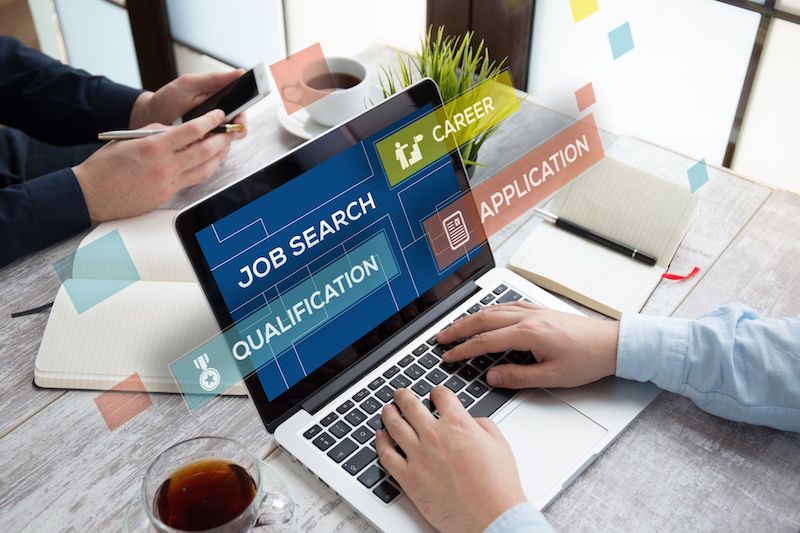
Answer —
(456, 230)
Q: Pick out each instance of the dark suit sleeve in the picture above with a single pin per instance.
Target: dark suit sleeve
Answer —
(40, 212)
(56, 103)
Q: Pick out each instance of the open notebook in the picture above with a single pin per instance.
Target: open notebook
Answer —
(141, 328)
(619, 201)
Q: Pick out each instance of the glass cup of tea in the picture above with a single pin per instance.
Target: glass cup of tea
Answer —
(212, 484)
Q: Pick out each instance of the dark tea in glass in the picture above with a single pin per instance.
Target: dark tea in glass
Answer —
(204, 494)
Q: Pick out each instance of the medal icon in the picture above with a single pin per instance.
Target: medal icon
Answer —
(209, 377)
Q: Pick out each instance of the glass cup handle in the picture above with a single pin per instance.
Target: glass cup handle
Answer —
(277, 508)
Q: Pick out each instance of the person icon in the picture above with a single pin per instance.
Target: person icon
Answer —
(400, 154)
(416, 153)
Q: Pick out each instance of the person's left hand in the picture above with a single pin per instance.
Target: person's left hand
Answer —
(179, 96)
(458, 471)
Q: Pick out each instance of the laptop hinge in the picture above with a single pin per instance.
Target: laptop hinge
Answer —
(324, 395)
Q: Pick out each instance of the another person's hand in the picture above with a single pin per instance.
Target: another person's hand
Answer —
(458, 471)
(128, 178)
(179, 96)
(571, 350)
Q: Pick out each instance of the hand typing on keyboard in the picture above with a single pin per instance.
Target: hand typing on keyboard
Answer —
(459, 471)
(571, 350)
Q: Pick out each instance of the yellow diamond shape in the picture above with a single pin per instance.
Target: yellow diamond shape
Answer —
(582, 8)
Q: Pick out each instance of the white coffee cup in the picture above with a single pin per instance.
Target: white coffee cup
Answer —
(334, 106)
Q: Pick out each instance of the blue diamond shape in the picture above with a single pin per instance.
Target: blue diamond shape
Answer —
(621, 40)
(698, 175)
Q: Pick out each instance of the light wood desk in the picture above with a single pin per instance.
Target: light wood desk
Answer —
(675, 469)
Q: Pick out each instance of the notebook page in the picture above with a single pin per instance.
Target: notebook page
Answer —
(151, 241)
(639, 209)
(586, 268)
(102, 346)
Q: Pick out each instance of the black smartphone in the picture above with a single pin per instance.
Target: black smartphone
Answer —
(235, 98)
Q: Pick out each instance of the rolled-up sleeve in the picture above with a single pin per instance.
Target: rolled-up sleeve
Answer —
(732, 362)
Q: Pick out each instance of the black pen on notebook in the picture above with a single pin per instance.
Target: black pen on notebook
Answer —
(121, 135)
(586, 233)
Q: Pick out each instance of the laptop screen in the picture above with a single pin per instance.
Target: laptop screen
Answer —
(312, 266)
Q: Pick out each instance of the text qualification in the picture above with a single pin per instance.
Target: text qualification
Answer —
(306, 306)
(307, 239)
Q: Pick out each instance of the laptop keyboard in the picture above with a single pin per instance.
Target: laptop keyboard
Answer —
(347, 433)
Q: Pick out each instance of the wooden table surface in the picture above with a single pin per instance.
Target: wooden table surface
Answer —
(675, 469)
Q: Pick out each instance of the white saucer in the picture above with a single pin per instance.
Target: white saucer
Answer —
(300, 124)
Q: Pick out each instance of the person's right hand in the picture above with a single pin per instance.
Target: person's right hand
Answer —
(570, 349)
(128, 178)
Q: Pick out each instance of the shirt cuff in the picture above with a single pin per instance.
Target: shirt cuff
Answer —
(114, 103)
(523, 517)
(652, 348)
(59, 205)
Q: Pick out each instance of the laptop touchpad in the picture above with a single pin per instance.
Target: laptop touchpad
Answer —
(550, 439)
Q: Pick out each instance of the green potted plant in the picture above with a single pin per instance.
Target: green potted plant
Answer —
(455, 65)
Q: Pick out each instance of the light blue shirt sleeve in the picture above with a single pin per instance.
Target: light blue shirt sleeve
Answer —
(522, 518)
(732, 362)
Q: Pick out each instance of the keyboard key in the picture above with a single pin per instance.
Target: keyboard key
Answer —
(386, 492)
(312, 431)
(340, 452)
(346, 406)
(431, 341)
(328, 420)
(450, 368)
(339, 429)
(355, 417)
(477, 388)
(521, 358)
(419, 350)
(491, 402)
(405, 361)
(439, 349)
(510, 296)
(482, 362)
(422, 387)
(436, 376)
(362, 434)
(414, 371)
(428, 360)
(468, 372)
(488, 298)
(400, 382)
(377, 382)
(391, 372)
(429, 405)
(370, 405)
(360, 395)
(496, 355)
(374, 444)
(371, 476)
(465, 399)
(375, 422)
(385, 394)
(500, 289)
(323, 442)
(462, 315)
(474, 309)
(357, 462)
(455, 383)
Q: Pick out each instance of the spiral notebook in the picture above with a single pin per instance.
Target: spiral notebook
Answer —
(618, 201)
(140, 328)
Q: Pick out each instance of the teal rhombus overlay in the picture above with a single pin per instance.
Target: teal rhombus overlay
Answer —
(97, 271)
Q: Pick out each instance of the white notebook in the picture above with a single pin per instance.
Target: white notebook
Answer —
(140, 329)
(619, 201)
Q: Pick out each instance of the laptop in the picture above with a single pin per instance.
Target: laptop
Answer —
(323, 265)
